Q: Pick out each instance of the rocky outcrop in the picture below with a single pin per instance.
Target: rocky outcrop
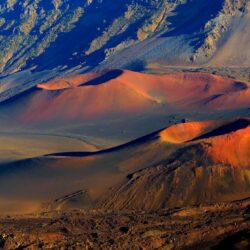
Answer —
(220, 29)
(219, 226)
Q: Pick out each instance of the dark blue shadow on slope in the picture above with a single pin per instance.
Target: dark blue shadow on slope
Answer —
(144, 139)
(22, 94)
(226, 129)
(192, 16)
(110, 75)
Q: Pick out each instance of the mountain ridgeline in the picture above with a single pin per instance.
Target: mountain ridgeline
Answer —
(87, 34)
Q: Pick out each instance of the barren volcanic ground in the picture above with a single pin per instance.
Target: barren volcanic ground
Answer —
(185, 164)
(107, 108)
(124, 124)
(221, 226)
(111, 96)
(182, 147)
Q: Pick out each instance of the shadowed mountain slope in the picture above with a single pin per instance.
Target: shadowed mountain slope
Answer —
(67, 34)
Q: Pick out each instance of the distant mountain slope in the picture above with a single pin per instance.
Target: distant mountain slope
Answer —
(192, 38)
(66, 34)
(235, 49)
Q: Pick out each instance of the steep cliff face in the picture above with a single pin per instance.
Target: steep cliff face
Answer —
(67, 34)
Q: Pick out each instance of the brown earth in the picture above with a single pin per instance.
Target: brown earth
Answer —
(218, 226)
(120, 93)
(185, 164)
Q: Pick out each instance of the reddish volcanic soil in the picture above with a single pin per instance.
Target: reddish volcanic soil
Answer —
(117, 93)
(229, 141)
(185, 164)
(232, 149)
(210, 163)
(184, 132)
(71, 82)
